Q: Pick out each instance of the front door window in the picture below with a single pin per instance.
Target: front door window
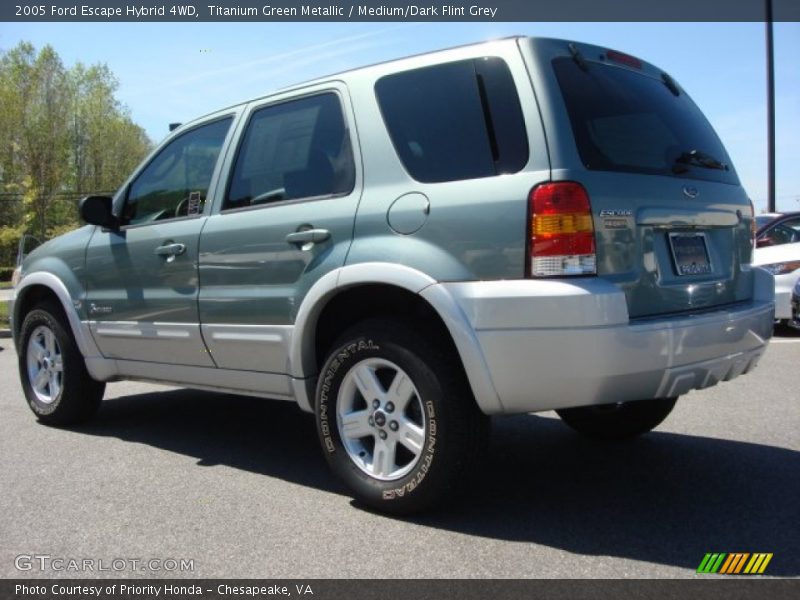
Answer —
(175, 183)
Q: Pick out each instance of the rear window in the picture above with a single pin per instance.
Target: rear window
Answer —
(624, 120)
(459, 120)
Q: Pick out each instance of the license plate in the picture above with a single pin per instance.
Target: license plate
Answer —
(690, 252)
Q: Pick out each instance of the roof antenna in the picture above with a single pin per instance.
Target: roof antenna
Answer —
(174, 126)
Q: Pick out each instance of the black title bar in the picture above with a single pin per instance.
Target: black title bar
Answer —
(396, 10)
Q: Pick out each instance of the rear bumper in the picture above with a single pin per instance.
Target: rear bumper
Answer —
(558, 344)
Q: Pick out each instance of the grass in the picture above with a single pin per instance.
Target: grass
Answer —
(4, 285)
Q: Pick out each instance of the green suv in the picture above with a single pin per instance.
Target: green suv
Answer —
(408, 248)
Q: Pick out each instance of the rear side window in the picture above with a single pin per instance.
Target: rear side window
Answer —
(624, 120)
(785, 232)
(297, 149)
(455, 121)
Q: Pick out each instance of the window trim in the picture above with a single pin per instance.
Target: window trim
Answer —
(157, 152)
(288, 201)
(237, 149)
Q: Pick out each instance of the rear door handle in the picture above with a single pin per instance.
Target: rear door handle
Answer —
(170, 250)
(306, 236)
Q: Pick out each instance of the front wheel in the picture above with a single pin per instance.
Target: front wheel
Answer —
(617, 421)
(57, 386)
(396, 418)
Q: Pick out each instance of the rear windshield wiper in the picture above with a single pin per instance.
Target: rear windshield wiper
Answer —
(697, 159)
(578, 57)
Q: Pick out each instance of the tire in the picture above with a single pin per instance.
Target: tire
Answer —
(396, 417)
(53, 373)
(617, 421)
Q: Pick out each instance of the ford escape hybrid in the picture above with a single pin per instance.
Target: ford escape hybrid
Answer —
(407, 248)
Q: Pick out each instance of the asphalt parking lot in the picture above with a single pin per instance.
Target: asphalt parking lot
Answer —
(239, 486)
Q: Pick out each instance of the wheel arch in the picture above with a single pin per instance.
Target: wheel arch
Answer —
(38, 287)
(386, 284)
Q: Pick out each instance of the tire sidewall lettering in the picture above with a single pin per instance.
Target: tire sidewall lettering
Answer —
(346, 357)
(39, 408)
(327, 382)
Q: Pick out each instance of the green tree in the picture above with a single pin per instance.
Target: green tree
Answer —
(106, 144)
(43, 146)
(63, 134)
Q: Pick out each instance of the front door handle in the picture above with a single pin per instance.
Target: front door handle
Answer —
(170, 250)
(308, 236)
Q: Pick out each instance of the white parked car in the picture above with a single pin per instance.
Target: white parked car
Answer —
(778, 251)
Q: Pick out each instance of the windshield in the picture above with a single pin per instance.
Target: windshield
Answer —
(625, 120)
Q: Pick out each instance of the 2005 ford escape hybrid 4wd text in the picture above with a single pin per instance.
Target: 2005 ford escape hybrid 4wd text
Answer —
(404, 249)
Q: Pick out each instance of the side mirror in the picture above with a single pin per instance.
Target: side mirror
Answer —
(765, 241)
(27, 244)
(96, 210)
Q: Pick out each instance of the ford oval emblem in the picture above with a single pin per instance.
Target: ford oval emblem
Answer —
(690, 192)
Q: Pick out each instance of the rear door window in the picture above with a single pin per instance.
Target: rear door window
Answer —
(455, 121)
(624, 120)
(296, 149)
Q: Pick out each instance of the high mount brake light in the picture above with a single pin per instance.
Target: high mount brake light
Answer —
(623, 59)
(561, 236)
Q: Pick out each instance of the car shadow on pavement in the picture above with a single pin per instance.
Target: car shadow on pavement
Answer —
(786, 332)
(664, 498)
(262, 436)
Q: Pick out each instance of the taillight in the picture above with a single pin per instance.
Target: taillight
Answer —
(561, 238)
(753, 226)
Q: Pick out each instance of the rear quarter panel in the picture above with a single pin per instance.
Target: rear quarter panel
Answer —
(475, 228)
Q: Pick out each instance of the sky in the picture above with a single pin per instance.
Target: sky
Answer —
(174, 72)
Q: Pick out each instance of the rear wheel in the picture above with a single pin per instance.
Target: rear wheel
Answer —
(617, 421)
(396, 418)
(57, 386)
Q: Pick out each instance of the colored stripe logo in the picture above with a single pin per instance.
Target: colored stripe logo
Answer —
(736, 563)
